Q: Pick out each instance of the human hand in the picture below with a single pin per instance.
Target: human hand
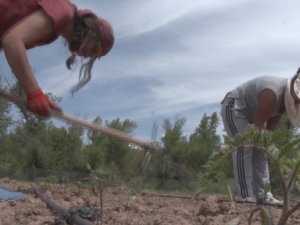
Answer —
(40, 104)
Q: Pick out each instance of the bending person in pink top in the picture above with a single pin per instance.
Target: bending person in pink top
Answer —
(26, 24)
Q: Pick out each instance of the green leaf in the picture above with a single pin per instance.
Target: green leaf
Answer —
(276, 135)
(286, 148)
(228, 140)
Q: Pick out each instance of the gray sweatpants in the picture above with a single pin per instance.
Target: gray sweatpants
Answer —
(250, 165)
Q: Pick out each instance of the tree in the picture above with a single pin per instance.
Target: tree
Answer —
(64, 144)
(113, 151)
(117, 151)
(173, 135)
(171, 161)
(203, 141)
(5, 117)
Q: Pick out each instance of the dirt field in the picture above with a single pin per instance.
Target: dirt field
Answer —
(125, 207)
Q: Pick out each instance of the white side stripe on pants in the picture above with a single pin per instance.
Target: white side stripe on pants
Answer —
(240, 151)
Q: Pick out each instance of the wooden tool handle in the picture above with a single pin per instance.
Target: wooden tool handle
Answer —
(113, 133)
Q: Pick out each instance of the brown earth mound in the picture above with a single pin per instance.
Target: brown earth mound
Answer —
(122, 206)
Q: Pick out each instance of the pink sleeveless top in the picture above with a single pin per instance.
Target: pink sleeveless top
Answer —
(61, 13)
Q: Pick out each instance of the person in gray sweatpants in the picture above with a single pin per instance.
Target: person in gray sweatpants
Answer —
(260, 101)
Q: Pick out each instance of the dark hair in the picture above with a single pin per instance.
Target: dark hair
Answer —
(81, 26)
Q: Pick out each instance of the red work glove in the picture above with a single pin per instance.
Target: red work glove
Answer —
(39, 103)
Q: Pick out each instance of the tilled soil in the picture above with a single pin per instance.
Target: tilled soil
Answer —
(122, 206)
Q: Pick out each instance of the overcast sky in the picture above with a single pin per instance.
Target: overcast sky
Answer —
(174, 58)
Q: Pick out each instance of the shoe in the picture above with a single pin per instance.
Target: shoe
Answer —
(270, 200)
(247, 200)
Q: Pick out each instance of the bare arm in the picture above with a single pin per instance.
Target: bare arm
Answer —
(266, 104)
(33, 28)
(272, 123)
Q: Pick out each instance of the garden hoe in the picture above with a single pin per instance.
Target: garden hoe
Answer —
(110, 132)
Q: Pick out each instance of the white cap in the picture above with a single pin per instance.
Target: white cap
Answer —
(292, 109)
